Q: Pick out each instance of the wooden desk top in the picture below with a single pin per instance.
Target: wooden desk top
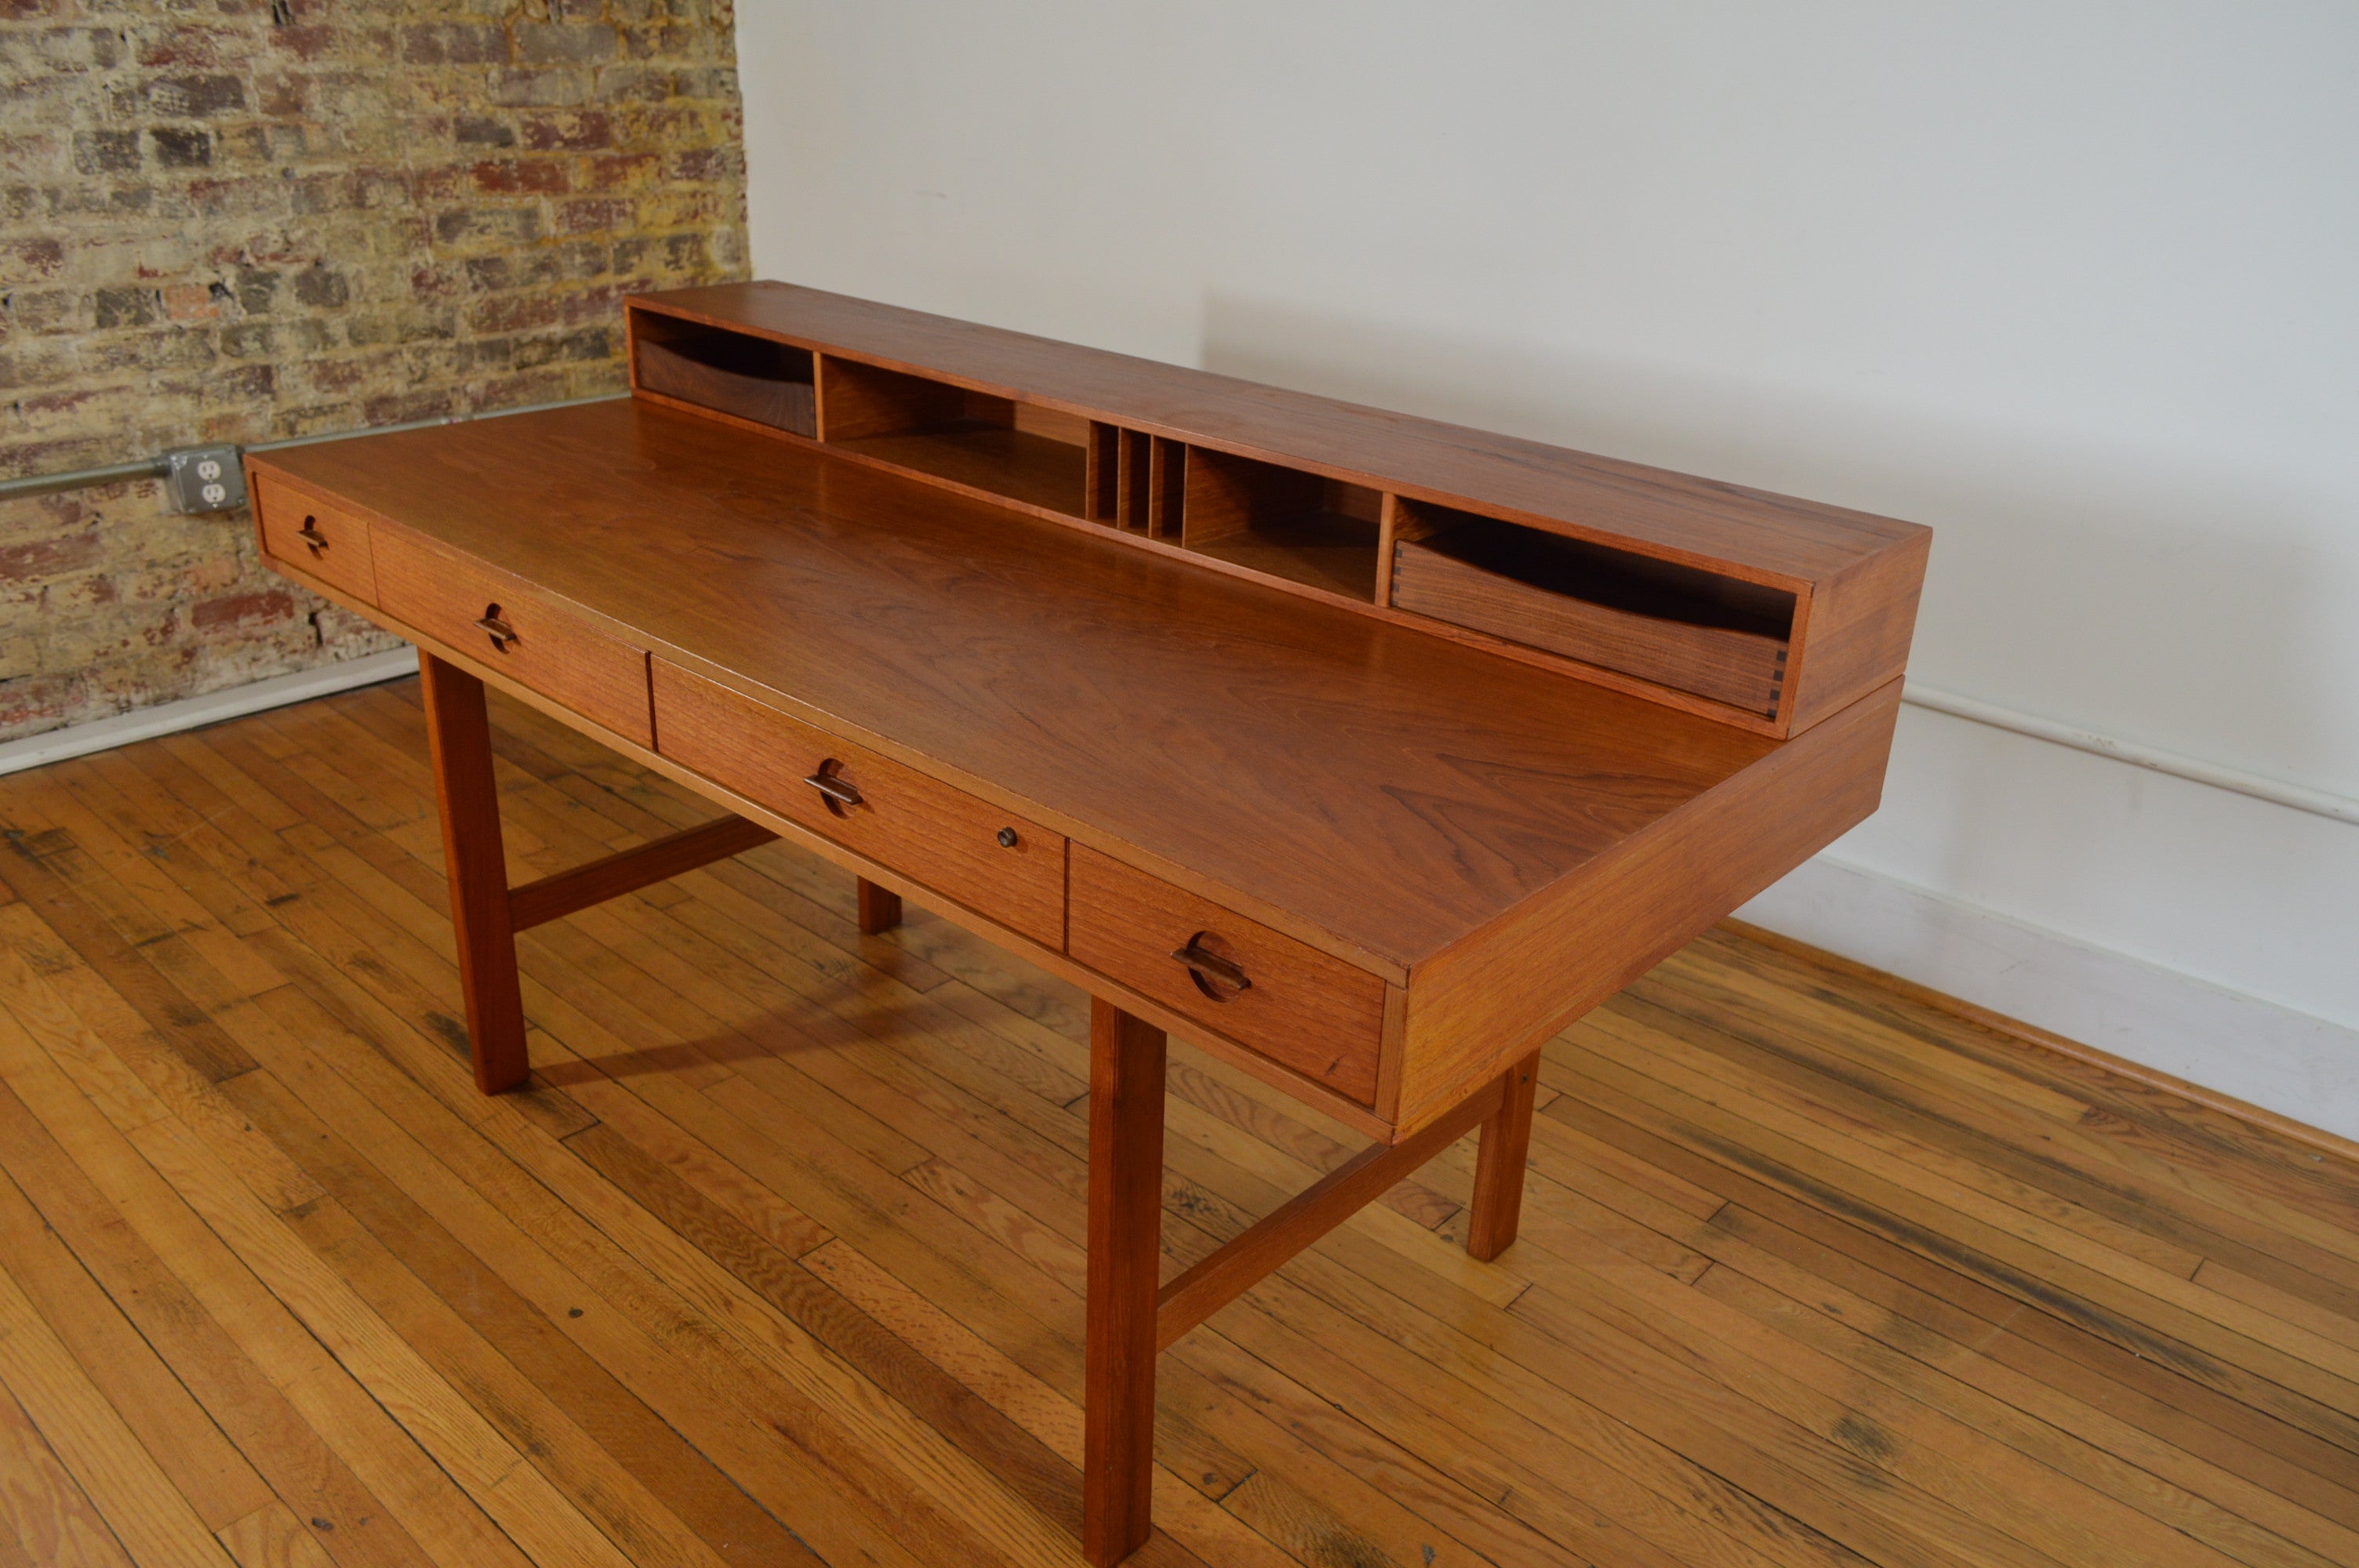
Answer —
(1393, 790)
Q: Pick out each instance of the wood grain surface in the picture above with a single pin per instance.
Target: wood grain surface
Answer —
(1362, 786)
(1495, 1210)
(777, 1260)
(1698, 519)
(448, 594)
(727, 372)
(1127, 1060)
(1860, 625)
(1312, 1012)
(999, 864)
(315, 535)
(578, 887)
(459, 746)
(1216, 1280)
(1492, 998)
(1743, 667)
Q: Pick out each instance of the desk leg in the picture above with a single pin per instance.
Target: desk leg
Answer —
(1499, 1164)
(880, 908)
(459, 739)
(1126, 1246)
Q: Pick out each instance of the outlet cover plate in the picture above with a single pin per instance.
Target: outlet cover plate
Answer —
(204, 478)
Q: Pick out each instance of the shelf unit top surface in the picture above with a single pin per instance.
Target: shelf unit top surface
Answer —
(1396, 790)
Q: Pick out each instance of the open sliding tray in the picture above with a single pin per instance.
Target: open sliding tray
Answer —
(1691, 630)
(730, 372)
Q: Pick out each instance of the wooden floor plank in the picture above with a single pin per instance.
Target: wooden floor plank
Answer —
(190, 1451)
(272, 1536)
(2057, 1344)
(776, 1258)
(153, 1518)
(302, 1470)
(47, 1519)
(1824, 1046)
(385, 1458)
(498, 1262)
(2010, 1249)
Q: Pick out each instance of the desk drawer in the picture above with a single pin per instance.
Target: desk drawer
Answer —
(314, 536)
(534, 640)
(1311, 1012)
(949, 840)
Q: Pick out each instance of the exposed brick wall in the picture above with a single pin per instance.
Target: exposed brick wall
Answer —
(241, 220)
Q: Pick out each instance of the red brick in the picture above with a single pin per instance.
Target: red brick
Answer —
(705, 166)
(595, 215)
(305, 44)
(542, 176)
(33, 703)
(49, 557)
(29, 259)
(569, 133)
(237, 609)
(186, 47)
(620, 171)
(513, 313)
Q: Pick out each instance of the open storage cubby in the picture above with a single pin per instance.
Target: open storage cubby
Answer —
(1289, 524)
(732, 372)
(1135, 481)
(1694, 631)
(1762, 611)
(995, 445)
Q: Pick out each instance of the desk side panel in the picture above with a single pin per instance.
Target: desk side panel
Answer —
(1861, 624)
(1489, 1000)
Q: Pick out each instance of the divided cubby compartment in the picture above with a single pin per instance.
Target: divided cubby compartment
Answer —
(730, 372)
(1135, 481)
(1694, 631)
(1300, 526)
(1018, 451)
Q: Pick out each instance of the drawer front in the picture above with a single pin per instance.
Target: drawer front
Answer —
(315, 536)
(1305, 1009)
(534, 640)
(928, 830)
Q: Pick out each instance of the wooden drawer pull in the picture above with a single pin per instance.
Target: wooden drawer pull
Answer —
(310, 534)
(840, 792)
(502, 633)
(1205, 969)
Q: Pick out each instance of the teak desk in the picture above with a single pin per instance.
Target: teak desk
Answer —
(1365, 751)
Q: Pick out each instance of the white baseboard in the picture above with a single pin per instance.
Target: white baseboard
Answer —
(190, 713)
(2300, 1067)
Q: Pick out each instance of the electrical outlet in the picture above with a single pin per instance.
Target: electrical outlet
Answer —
(204, 478)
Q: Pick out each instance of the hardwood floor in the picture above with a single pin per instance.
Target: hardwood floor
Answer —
(780, 1260)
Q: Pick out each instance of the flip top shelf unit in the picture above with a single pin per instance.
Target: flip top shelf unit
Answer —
(1757, 609)
(1364, 752)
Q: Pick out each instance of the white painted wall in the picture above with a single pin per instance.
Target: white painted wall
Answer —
(2072, 282)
